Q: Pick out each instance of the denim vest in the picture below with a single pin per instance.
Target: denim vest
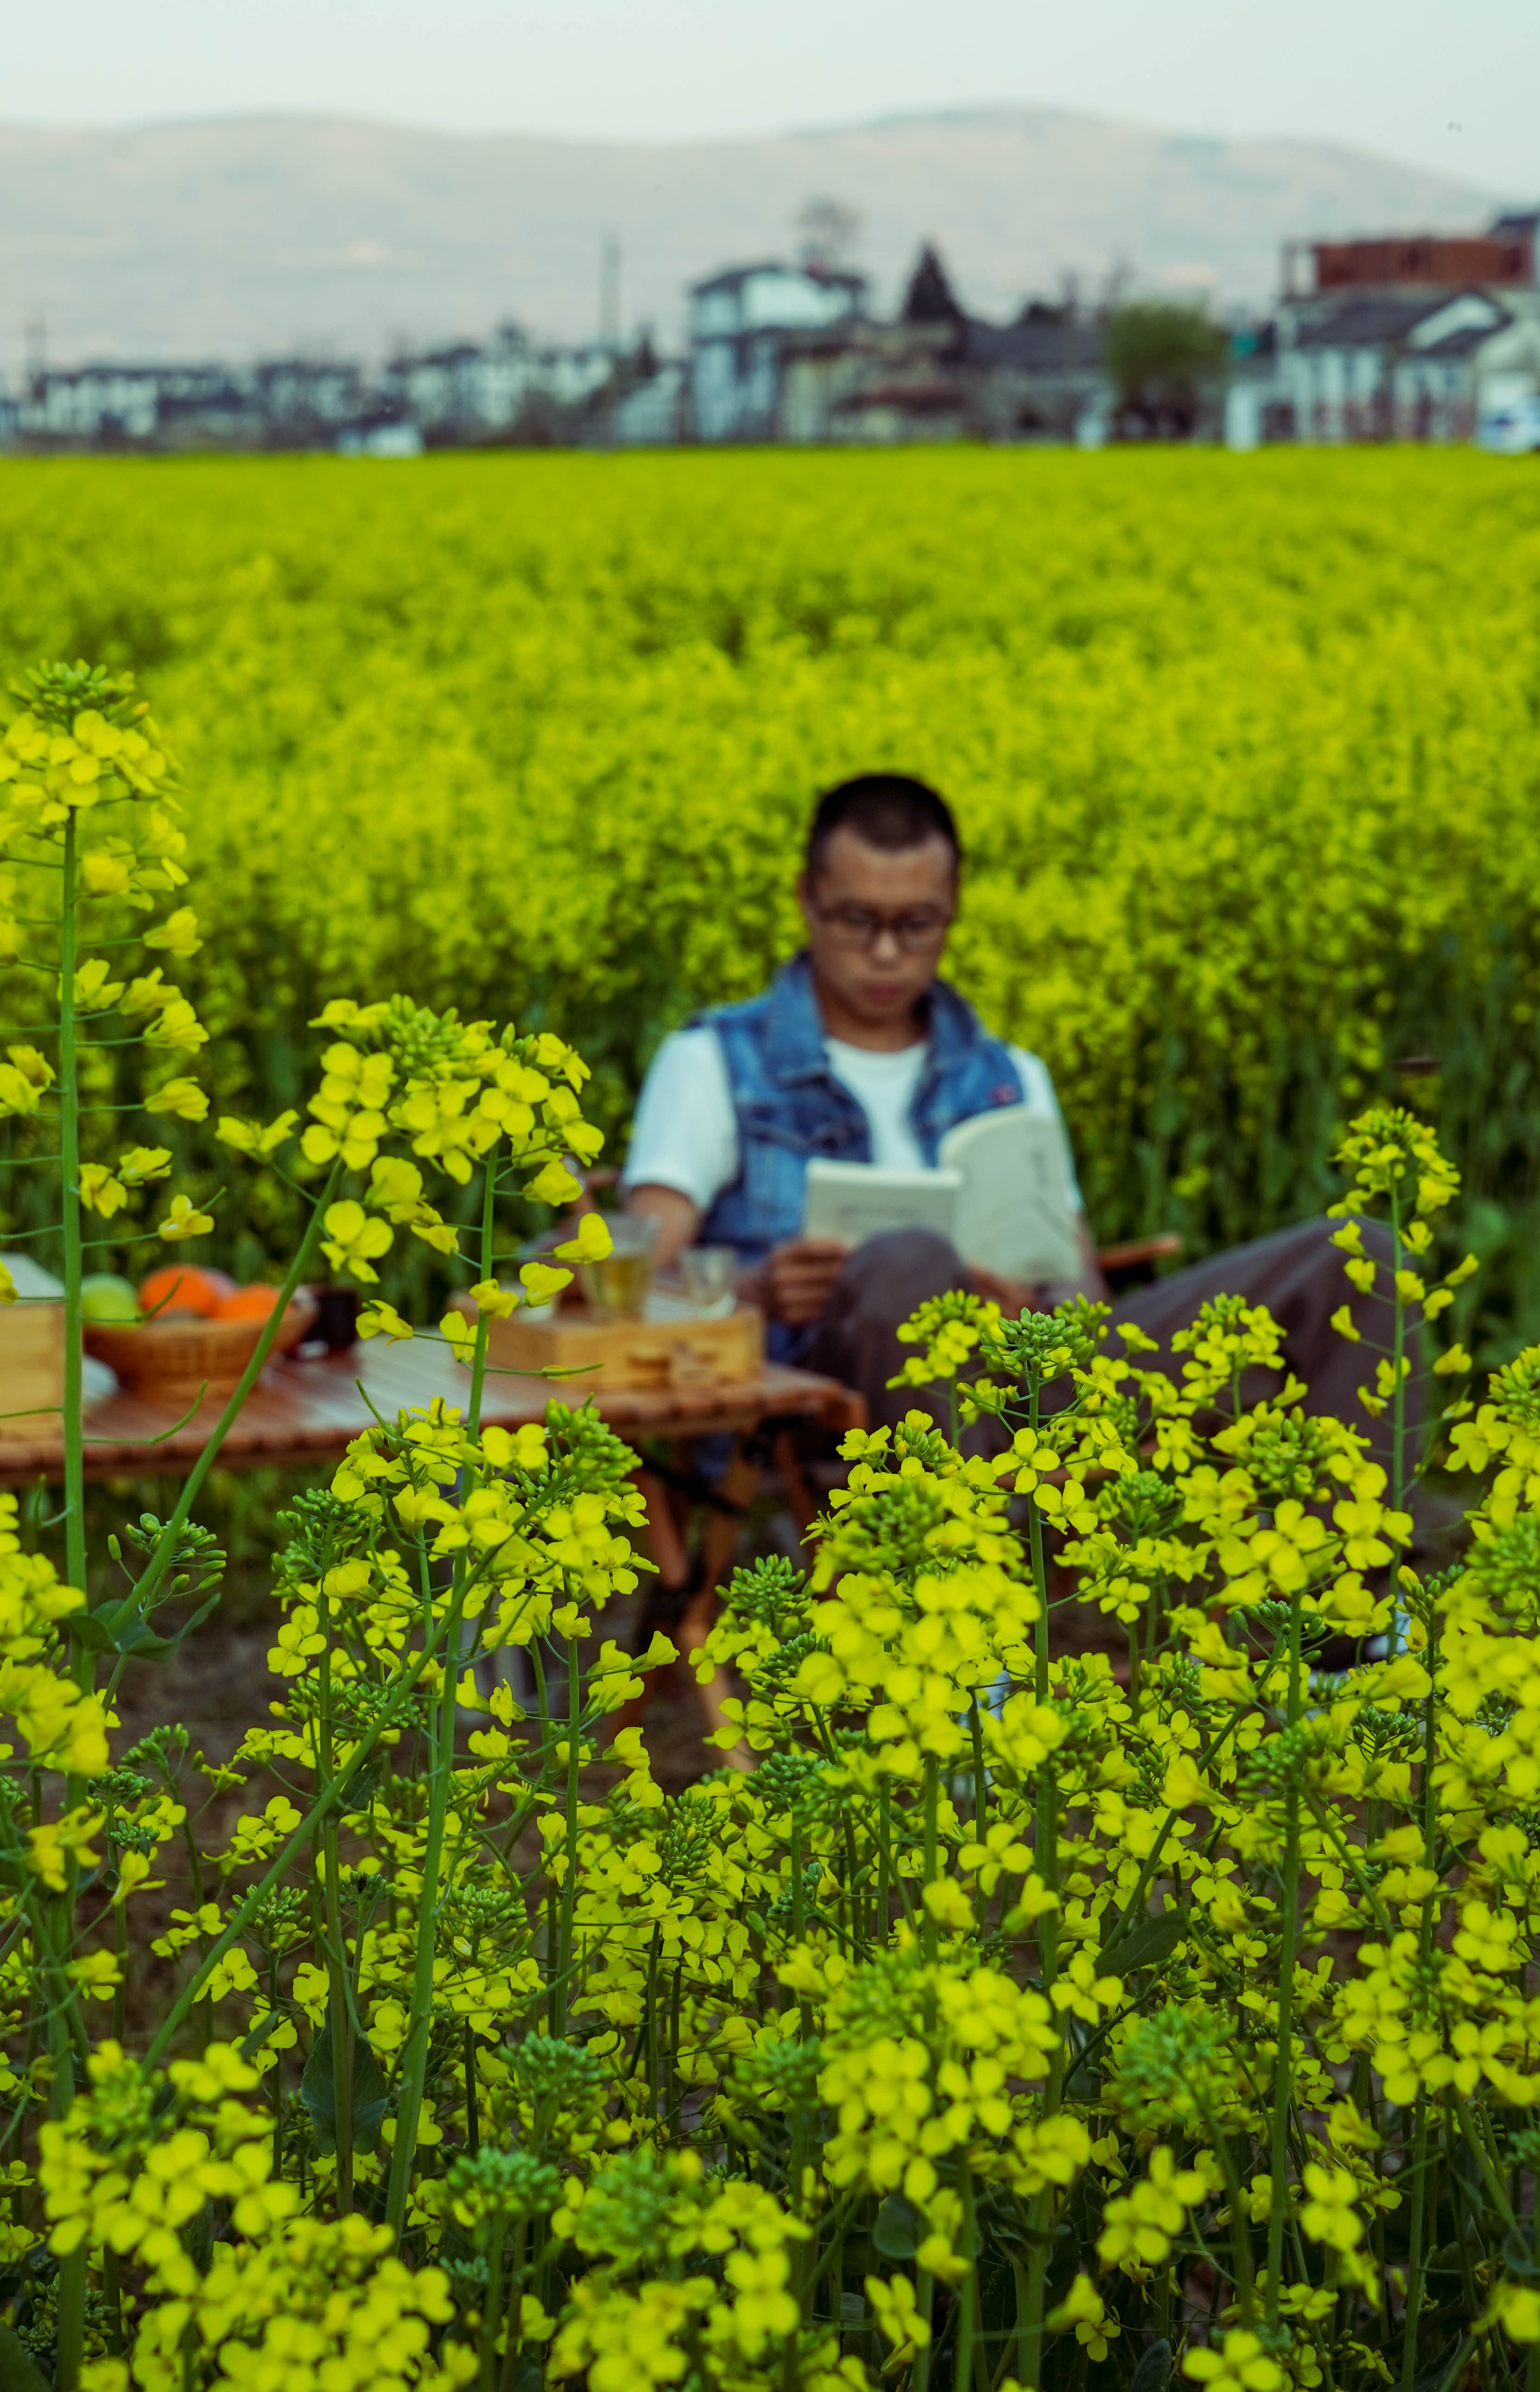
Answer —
(790, 1107)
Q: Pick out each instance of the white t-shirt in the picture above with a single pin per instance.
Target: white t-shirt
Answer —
(686, 1131)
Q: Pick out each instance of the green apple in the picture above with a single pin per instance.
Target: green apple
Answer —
(105, 1297)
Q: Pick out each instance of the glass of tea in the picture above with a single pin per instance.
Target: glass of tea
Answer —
(619, 1285)
(708, 1273)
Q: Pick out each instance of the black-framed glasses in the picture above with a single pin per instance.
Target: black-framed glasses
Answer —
(918, 934)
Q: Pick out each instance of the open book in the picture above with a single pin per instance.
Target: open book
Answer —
(1001, 1194)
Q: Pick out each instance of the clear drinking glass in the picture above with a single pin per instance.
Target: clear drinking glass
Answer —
(708, 1273)
(619, 1285)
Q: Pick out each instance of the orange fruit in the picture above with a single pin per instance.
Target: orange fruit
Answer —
(185, 1287)
(247, 1304)
(256, 1302)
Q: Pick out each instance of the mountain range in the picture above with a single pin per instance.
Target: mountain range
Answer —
(244, 236)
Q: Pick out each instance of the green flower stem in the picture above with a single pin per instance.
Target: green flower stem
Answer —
(339, 2005)
(473, 2111)
(491, 2308)
(1531, 2364)
(1039, 2220)
(70, 2293)
(569, 1874)
(68, 1140)
(414, 2056)
(968, 2345)
(119, 1953)
(1135, 1902)
(1240, 2236)
(513, 2339)
(245, 1911)
(651, 2031)
(1466, 2221)
(1039, 2217)
(1030, 2313)
(1029, 2317)
(800, 1925)
(488, 1243)
(1398, 1351)
(148, 1582)
(1477, 2145)
(1039, 1580)
(928, 1932)
(1414, 2247)
(1282, 2076)
(1047, 1802)
(925, 2304)
(1024, 2344)
(1420, 2132)
(71, 2311)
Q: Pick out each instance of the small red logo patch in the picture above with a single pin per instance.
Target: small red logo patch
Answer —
(1003, 1096)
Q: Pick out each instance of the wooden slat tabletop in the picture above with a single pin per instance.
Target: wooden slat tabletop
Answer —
(302, 1411)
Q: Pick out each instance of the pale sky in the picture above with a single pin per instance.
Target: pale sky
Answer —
(1454, 84)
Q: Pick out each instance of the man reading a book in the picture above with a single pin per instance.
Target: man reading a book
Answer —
(860, 1052)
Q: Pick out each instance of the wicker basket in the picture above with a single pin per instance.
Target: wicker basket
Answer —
(168, 1360)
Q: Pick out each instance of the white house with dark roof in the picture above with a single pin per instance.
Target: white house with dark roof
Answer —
(740, 323)
(1405, 366)
(1464, 363)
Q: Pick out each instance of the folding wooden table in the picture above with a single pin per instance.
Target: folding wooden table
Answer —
(306, 1413)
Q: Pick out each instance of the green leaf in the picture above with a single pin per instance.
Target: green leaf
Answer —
(318, 2092)
(253, 2042)
(1147, 1945)
(92, 1629)
(364, 1783)
(898, 2228)
(1432, 2378)
(98, 1630)
(1154, 2370)
(19, 2370)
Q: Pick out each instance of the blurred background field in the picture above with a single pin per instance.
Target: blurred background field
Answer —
(1246, 753)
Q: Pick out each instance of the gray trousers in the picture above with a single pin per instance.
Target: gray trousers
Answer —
(1297, 1273)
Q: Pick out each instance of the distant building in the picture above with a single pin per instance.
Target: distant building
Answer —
(1384, 368)
(1419, 337)
(652, 414)
(379, 435)
(467, 394)
(301, 400)
(936, 373)
(1502, 257)
(459, 395)
(740, 325)
(1407, 337)
(1041, 378)
(115, 406)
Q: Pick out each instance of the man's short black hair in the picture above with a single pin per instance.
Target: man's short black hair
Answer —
(888, 809)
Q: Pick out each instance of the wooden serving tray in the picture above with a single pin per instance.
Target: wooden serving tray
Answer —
(32, 1367)
(611, 1353)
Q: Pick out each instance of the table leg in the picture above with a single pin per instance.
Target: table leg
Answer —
(719, 1542)
(665, 1544)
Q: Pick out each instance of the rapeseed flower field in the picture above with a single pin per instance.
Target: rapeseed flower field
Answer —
(1246, 752)
(995, 2020)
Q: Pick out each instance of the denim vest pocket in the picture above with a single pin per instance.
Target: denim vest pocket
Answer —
(801, 1129)
(777, 1142)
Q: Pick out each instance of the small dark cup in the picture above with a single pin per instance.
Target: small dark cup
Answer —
(336, 1323)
